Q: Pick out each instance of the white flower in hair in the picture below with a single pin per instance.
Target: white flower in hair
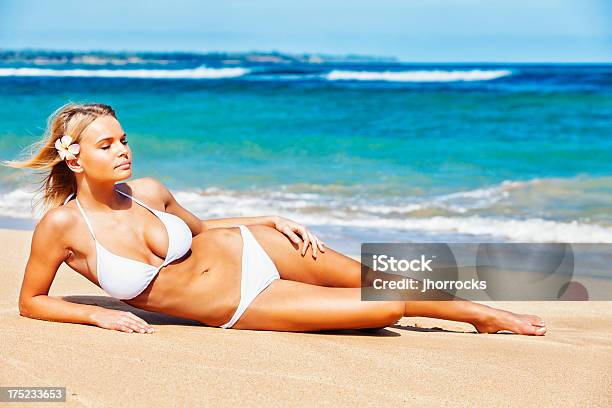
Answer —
(65, 149)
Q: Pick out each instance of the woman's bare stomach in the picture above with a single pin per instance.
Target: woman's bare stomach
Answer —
(204, 286)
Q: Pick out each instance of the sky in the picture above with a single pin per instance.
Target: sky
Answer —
(410, 30)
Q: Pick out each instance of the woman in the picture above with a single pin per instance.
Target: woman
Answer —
(135, 241)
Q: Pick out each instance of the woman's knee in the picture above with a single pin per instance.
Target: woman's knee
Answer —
(395, 311)
(385, 315)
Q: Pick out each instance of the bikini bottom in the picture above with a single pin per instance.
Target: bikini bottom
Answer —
(258, 271)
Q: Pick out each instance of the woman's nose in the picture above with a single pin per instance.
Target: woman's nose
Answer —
(123, 149)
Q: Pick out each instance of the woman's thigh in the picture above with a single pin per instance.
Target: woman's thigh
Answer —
(330, 268)
(287, 305)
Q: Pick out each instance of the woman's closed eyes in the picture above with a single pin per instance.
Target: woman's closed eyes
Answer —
(124, 141)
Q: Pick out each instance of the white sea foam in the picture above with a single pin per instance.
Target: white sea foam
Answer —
(521, 230)
(204, 72)
(527, 230)
(353, 212)
(459, 202)
(18, 204)
(418, 76)
(195, 73)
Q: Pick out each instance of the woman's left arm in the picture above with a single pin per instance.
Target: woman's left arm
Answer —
(234, 222)
(293, 230)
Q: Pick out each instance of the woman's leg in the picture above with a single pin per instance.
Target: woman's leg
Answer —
(287, 305)
(324, 294)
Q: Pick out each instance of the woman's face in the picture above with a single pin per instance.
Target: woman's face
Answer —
(104, 149)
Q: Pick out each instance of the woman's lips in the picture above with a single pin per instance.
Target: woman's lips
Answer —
(124, 166)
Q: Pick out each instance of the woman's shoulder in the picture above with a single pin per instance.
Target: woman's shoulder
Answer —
(57, 222)
(144, 184)
(147, 189)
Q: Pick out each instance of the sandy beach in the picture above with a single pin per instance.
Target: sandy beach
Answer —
(417, 362)
(462, 144)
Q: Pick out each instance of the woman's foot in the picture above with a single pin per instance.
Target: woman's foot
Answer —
(496, 320)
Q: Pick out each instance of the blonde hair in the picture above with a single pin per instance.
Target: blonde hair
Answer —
(58, 181)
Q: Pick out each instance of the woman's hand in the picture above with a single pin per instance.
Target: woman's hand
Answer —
(119, 320)
(290, 228)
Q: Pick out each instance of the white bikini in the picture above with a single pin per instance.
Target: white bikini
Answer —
(258, 271)
(125, 278)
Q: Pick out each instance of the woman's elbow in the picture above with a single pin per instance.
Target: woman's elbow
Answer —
(24, 308)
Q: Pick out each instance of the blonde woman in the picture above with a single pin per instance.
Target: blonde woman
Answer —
(136, 242)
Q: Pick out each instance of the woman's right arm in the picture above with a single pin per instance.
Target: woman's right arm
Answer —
(48, 250)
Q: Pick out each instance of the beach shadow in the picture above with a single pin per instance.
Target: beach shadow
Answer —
(163, 319)
(370, 332)
(439, 329)
(150, 317)
(384, 332)
(428, 329)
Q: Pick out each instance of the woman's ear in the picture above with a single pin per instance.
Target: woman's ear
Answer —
(74, 165)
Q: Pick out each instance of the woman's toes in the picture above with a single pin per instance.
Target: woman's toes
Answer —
(533, 329)
(507, 321)
(534, 320)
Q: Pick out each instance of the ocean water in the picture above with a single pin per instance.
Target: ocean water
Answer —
(374, 151)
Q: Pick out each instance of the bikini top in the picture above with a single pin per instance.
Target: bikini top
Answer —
(125, 278)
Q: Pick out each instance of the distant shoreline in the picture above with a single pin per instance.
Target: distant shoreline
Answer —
(272, 57)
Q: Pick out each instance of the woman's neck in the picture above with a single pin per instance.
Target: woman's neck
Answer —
(99, 196)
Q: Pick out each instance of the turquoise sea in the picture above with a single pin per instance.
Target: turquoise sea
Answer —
(360, 151)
